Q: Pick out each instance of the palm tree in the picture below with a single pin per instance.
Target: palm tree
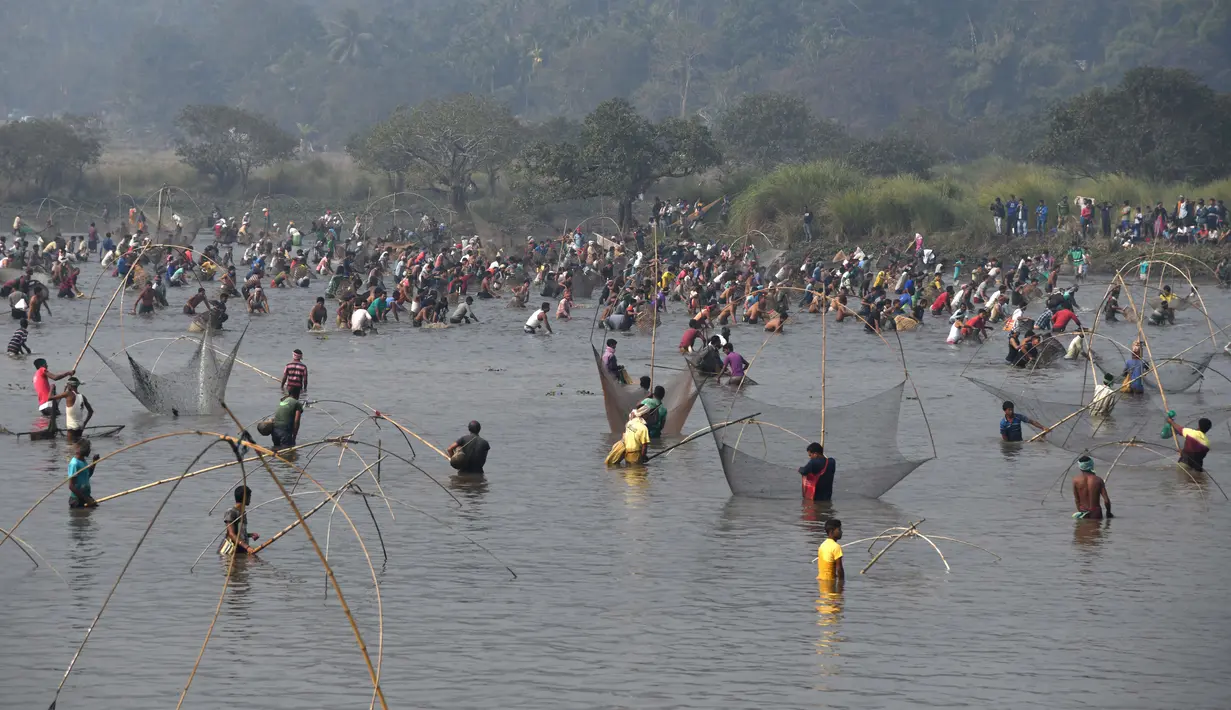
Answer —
(349, 42)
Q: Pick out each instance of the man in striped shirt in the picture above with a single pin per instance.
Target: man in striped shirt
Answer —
(17, 344)
(295, 374)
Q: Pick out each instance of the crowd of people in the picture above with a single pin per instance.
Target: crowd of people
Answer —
(1187, 222)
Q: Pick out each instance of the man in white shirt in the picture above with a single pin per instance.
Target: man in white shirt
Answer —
(361, 322)
(1104, 397)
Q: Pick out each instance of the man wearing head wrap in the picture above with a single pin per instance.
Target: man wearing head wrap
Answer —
(1104, 397)
(1089, 492)
(636, 436)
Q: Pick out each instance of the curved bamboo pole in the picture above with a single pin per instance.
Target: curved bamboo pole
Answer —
(337, 587)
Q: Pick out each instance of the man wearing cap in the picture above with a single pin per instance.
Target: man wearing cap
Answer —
(468, 454)
(295, 374)
(77, 410)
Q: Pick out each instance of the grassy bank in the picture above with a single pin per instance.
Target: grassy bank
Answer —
(850, 206)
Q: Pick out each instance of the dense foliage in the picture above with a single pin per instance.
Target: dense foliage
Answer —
(620, 154)
(228, 143)
(47, 154)
(335, 67)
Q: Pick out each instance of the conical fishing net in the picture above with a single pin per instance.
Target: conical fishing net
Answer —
(1176, 374)
(584, 281)
(1135, 421)
(761, 457)
(619, 399)
(194, 389)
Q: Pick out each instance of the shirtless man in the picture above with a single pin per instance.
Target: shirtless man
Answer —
(318, 314)
(1089, 491)
(190, 308)
(144, 302)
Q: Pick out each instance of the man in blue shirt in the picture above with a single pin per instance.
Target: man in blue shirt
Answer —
(1134, 368)
(1040, 218)
(1011, 425)
(79, 473)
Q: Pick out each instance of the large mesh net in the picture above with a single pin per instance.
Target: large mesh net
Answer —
(584, 281)
(619, 399)
(1175, 374)
(1134, 422)
(761, 457)
(196, 388)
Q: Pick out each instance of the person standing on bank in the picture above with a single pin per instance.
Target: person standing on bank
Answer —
(295, 374)
(469, 454)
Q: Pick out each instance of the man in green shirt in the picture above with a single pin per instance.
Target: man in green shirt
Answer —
(1078, 255)
(287, 418)
(656, 418)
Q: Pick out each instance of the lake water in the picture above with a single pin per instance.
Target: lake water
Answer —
(635, 589)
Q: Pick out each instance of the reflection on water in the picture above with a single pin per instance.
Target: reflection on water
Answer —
(829, 601)
(1089, 533)
(637, 478)
(660, 573)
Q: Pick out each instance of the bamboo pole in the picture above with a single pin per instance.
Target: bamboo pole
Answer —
(376, 414)
(1145, 342)
(337, 587)
(823, 319)
(701, 432)
(654, 310)
(153, 484)
(891, 544)
(123, 570)
(299, 521)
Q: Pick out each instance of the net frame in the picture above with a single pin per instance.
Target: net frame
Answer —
(196, 389)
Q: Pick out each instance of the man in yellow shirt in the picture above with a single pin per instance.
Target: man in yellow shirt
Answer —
(829, 555)
(636, 437)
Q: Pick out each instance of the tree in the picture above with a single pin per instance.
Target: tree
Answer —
(764, 130)
(349, 41)
(46, 154)
(443, 141)
(892, 154)
(620, 155)
(226, 143)
(1162, 124)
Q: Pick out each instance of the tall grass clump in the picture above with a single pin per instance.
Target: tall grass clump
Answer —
(894, 206)
(783, 195)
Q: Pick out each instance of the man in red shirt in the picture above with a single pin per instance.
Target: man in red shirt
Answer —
(690, 336)
(45, 390)
(1060, 320)
(941, 303)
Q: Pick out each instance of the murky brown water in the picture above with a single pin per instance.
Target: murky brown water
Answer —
(635, 591)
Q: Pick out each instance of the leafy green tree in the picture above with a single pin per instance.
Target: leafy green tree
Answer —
(892, 154)
(48, 154)
(1161, 124)
(620, 154)
(227, 143)
(768, 129)
(442, 141)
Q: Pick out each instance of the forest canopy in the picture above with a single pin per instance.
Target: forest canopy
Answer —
(957, 68)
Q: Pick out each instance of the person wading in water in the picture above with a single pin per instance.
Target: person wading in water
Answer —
(468, 454)
(236, 520)
(818, 474)
(1089, 492)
